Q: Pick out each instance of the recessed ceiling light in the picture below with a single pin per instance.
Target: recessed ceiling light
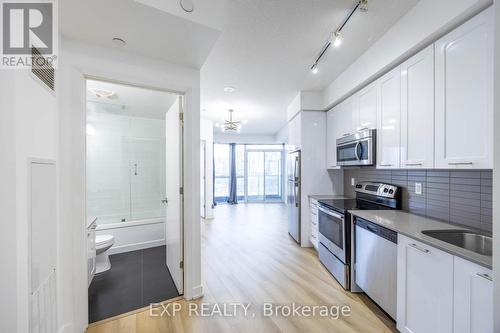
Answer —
(119, 42)
(229, 89)
(187, 5)
(315, 69)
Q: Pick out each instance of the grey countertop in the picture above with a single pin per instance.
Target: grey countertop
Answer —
(412, 225)
(327, 196)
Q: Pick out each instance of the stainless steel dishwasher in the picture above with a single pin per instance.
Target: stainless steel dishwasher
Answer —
(376, 263)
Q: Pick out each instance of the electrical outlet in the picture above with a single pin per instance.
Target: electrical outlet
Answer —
(418, 188)
(353, 181)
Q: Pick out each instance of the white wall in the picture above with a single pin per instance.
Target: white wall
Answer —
(77, 60)
(496, 175)
(424, 23)
(207, 135)
(244, 138)
(29, 129)
(304, 101)
(8, 222)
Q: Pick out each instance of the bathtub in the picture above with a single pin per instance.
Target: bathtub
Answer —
(134, 235)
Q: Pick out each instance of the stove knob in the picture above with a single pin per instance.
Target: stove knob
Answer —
(391, 191)
(386, 190)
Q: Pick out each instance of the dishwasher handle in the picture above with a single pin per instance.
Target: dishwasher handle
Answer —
(378, 230)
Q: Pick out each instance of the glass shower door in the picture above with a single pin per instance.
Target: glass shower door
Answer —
(147, 174)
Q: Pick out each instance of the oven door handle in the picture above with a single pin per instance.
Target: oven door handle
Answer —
(331, 213)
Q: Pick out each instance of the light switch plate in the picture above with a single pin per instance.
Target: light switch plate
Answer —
(353, 181)
(418, 188)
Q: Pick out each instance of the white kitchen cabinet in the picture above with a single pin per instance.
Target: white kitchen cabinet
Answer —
(365, 115)
(339, 123)
(349, 116)
(332, 134)
(294, 132)
(473, 298)
(389, 120)
(464, 95)
(417, 110)
(424, 288)
(313, 205)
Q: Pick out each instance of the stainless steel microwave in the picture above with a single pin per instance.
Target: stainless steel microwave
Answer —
(357, 149)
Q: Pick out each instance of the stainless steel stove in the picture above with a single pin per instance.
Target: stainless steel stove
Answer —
(334, 246)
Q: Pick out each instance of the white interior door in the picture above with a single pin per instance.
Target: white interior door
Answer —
(173, 163)
(202, 178)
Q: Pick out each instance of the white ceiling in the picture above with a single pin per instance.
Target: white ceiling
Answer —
(148, 31)
(263, 48)
(267, 47)
(132, 101)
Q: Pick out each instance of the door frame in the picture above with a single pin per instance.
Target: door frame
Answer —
(182, 97)
(203, 190)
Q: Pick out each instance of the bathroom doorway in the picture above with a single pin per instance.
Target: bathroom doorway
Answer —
(134, 197)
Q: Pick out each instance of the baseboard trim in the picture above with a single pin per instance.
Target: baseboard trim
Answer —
(197, 292)
(136, 246)
(67, 328)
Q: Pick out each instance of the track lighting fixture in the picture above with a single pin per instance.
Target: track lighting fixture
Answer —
(336, 36)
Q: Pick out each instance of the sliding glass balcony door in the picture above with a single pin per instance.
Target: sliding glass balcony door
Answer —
(264, 175)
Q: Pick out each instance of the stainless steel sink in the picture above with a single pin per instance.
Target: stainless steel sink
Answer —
(469, 240)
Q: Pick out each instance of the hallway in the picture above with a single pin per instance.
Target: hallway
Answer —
(248, 257)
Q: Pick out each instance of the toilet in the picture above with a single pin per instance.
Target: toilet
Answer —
(102, 244)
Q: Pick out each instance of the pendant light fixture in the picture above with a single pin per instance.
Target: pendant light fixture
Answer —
(335, 37)
(230, 124)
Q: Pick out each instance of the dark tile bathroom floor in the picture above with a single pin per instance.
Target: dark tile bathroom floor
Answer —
(135, 280)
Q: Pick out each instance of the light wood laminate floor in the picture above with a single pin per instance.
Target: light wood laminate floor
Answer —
(248, 257)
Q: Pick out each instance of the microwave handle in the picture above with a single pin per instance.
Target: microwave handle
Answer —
(356, 151)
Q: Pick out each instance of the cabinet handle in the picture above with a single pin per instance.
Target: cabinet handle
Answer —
(413, 164)
(383, 164)
(362, 129)
(460, 163)
(346, 134)
(485, 276)
(415, 246)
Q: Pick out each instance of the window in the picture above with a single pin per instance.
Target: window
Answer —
(221, 171)
(240, 171)
(259, 172)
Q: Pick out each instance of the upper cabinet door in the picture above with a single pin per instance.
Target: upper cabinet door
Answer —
(332, 134)
(349, 116)
(464, 95)
(417, 110)
(367, 108)
(389, 120)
